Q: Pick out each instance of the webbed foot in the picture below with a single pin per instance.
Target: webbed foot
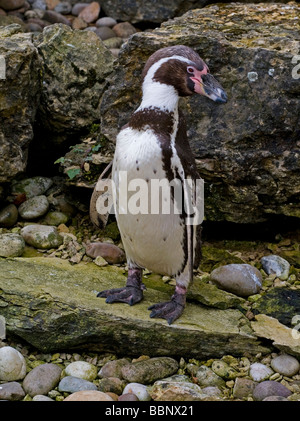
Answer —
(170, 310)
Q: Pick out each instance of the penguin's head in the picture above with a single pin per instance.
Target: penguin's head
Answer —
(181, 67)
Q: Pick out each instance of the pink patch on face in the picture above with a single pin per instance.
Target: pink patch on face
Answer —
(197, 79)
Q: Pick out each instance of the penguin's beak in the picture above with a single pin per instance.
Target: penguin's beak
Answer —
(208, 86)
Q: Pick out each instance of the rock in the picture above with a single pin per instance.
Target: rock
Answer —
(112, 385)
(12, 364)
(274, 398)
(56, 288)
(78, 7)
(124, 29)
(64, 8)
(224, 370)
(166, 390)
(8, 216)
(55, 218)
(75, 384)
(11, 391)
(82, 369)
(19, 98)
(54, 17)
(11, 245)
(104, 33)
(285, 365)
(41, 236)
(39, 4)
(83, 74)
(284, 338)
(111, 253)
(38, 398)
(276, 264)
(139, 390)
(41, 379)
(239, 279)
(106, 21)
(259, 372)
(242, 388)
(79, 23)
(34, 186)
(212, 391)
(113, 43)
(113, 368)
(243, 185)
(34, 208)
(270, 388)
(11, 4)
(148, 371)
(88, 395)
(205, 376)
(128, 397)
(91, 12)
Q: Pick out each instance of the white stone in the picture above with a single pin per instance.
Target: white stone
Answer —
(139, 390)
(260, 372)
(11, 245)
(285, 365)
(82, 369)
(12, 364)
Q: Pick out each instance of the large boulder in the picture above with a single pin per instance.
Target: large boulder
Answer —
(19, 97)
(76, 65)
(247, 150)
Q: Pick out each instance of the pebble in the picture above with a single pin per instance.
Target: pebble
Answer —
(39, 4)
(11, 391)
(149, 370)
(104, 32)
(78, 7)
(124, 29)
(11, 4)
(82, 369)
(111, 253)
(55, 218)
(33, 186)
(240, 279)
(243, 388)
(11, 245)
(274, 398)
(223, 370)
(168, 390)
(79, 23)
(41, 379)
(38, 398)
(12, 364)
(270, 388)
(285, 365)
(211, 391)
(113, 368)
(90, 13)
(64, 8)
(54, 17)
(34, 208)
(259, 372)
(106, 21)
(75, 384)
(128, 397)
(88, 395)
(8, 216)
(112, 385)
(113, 43)
(41, 236)
(276, 264)
(139, 390)
(205, 376)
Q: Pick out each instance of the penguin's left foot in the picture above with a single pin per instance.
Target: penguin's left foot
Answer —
(170, 310)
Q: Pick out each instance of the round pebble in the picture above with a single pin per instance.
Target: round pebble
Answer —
(64, 8)
(88, 395)
(139, 390)
(8, 216)
(285, 365)
(41, 379)
(106, 21)
(12, 364)
(82, 369)
(38, 398)
(78, 7)
(42, 236)
(11, 245)
(34, 208)
(104, 32)
(276, 264)
(90, 13)
(11, 4)
(75, 384)
(11, 391)
(124, 29)
(259, 372)
(113, 368)
(270, 388)
(128, 397)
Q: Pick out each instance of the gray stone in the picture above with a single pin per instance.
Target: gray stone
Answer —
(38, 398)
(287, 365)
(276, 264)
(205, 376)
(75, 384)
(113, 368)
(243, 184)
(64, 8)
(166, 390)
(11, 391)
(239, 279)
(147, 371)
(41, 379)
(33, 186)
(105, 33)
(106, 21)
(243, 388)
(12, 364)
(34, 208)
(139, 390)
(8, 216)
(11, 245)
(54, 17)
(42, 236)
(78, 7)
(270, 388)
(259, 372)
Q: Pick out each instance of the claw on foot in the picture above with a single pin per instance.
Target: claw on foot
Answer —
(129, 294)
(170, 310)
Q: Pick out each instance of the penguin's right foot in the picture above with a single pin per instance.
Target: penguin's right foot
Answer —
(131, 294)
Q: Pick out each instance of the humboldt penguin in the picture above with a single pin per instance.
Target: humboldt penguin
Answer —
(152, 147)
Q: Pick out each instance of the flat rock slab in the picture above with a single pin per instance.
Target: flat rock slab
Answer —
(53, 306)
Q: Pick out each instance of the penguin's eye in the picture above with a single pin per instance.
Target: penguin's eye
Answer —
(190, 70)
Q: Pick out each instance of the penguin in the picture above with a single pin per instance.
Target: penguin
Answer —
(153, 147)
